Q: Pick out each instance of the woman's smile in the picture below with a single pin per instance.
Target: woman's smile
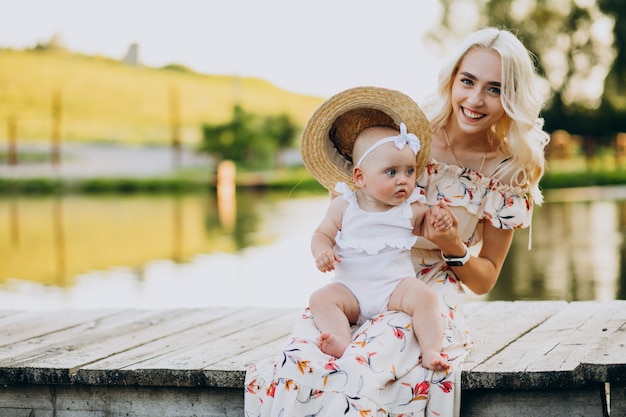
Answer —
(472, 114)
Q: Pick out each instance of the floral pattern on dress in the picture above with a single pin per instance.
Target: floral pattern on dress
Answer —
(380, 373)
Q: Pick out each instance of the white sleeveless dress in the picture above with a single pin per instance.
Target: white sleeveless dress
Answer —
(375, 251)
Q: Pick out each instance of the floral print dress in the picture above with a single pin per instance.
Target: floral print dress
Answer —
(380, 373)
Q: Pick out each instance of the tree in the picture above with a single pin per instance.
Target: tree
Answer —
(575, 44)
(55, 43)
(615, 83)
(248, 139)
(571, 39)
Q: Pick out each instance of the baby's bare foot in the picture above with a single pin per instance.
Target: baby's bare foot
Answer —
(434, 360)
(331, 345)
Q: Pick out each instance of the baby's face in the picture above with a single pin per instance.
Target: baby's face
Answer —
(389, 173)
(387, 157)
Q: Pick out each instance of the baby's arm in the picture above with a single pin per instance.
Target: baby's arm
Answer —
(419, 217)
(323, 239)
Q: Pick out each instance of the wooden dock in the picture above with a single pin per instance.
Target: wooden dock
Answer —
(548, 358)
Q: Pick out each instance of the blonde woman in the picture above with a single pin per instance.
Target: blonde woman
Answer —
(486, 127)
(486, 160)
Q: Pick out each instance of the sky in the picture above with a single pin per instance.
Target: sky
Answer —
(310, 47)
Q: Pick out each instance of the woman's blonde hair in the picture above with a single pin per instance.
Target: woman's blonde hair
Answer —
(520, 131)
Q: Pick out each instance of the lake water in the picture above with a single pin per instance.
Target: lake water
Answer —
(253, 250)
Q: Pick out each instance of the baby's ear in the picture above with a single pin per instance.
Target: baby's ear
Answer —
(357, 176)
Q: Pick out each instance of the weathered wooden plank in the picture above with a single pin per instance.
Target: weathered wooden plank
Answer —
(233, 340)
(54, 358)
(187, 362)
(117, 401)
(617, 398)
(473, 307)
(14, 412)
(606, 357)
(198, 335)
(241, 361)
(577, 402)
(276, 331)
(68, 339)
(149, 401)
(601, 324)
(24, 325)
(550, 355)
(5, 313)
(174, 333)
(238, 365)
(498, 323)
(18, 398)
(117, 334)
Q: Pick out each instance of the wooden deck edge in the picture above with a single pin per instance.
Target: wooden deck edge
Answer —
(28, 400)
(482, 370)
(142, 378)
(556, 402)
(511, 380)
(584, 376)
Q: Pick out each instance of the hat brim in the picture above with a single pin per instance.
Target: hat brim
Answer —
(329, 161)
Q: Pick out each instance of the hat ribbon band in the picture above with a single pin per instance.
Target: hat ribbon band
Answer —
(400, 140)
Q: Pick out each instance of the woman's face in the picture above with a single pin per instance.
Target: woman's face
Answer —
(476, 89)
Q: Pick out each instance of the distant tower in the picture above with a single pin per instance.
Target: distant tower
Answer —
(132, 56)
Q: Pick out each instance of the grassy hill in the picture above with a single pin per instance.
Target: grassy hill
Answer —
(104, 100)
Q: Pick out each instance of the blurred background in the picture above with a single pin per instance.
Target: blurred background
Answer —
(149, 149)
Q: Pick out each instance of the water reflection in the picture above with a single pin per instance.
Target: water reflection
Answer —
(52, 239)
(157, 251)
(577, 254)
(58, 238)
(195, 251)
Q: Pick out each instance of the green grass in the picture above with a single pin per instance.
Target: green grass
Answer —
(295, 179)
(105, 100)
(583, 179)
(603, 170)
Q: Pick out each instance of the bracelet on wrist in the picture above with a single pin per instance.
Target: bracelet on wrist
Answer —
(457, 261)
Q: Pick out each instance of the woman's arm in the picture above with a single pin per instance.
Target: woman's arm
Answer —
(481, 272)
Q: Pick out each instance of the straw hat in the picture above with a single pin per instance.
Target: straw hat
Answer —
(330, 133)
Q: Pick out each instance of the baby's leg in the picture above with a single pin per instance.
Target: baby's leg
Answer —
(333, 308)
(417, 299)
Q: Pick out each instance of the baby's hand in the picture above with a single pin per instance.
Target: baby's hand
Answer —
(440, 217)
(326, 260)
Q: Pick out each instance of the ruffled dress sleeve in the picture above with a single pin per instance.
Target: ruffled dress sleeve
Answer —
(417, 196)
(503, 206)
(343, 189)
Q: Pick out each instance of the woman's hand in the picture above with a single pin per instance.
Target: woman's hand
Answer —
(481, 272)
(441, 227)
